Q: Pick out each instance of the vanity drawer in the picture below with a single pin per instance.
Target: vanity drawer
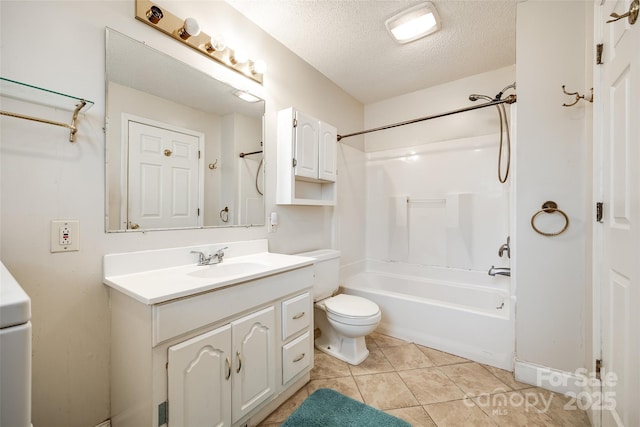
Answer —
(296, 356)
(296, 315)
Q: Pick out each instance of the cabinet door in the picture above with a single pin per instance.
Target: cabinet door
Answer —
(305, 150)
(253, 343)
(328, 155)
(199, 380)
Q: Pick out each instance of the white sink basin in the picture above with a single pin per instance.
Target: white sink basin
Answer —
(228, 269)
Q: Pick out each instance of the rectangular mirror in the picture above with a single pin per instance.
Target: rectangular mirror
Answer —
(182, 149)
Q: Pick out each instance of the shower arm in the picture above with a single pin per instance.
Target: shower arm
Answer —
(508, 100)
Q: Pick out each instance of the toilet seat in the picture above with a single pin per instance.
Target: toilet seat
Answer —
(351, 307)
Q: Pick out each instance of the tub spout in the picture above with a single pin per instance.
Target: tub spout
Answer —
(503, 271)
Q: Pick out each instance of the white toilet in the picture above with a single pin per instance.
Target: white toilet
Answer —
(343, 320)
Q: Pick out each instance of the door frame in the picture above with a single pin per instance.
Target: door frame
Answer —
(125, 118)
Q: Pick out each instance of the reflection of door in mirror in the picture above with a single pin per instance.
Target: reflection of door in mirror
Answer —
(164, 171)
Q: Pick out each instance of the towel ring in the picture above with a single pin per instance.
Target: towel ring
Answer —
(550, 207)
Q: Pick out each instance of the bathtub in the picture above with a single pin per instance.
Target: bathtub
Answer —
(466, 313)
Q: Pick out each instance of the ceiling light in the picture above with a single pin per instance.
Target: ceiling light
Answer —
(413, 23)
(246, 96)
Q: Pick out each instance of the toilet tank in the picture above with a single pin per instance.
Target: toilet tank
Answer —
(326, 270)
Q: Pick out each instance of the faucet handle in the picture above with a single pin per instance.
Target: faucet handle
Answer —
(201, 257)
(220, 252)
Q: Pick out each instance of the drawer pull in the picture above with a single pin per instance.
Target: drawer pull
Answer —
(299, 358)
(298, 316)
(239, 362)
(228, 369)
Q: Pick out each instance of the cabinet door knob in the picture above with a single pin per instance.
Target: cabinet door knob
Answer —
(228, 368)
(298, 316)
(299, 358)
(239, 362)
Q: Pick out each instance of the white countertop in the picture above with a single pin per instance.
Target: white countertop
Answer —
(164, 284)
(15, 304)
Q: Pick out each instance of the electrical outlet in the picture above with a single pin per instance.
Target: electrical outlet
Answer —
(65, 235)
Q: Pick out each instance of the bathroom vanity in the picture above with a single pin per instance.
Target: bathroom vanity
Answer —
(221, 344)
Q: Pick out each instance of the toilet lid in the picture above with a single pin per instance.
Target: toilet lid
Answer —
(351, 306)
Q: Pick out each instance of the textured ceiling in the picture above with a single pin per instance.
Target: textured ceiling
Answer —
(347, 41)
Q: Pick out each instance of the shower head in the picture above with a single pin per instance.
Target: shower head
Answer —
(475, 97)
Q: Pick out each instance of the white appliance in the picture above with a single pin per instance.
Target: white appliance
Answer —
(15, 353)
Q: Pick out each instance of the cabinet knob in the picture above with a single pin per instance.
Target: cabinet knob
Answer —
(239, 362)
(298, 316)
(228, 368)
(299, 358)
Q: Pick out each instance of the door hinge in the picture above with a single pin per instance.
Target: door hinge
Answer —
(198, 153)
(599, 48)
(598, 368)
(198, 211)
(294, 163)
(295, 123)
(599, 209)
(163, 413)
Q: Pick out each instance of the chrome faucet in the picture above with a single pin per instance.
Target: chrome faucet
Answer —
(216, 258)
(503, 271)
(505, 247)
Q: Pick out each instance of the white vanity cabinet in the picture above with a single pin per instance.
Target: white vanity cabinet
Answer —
(307, 160)
(213, 358)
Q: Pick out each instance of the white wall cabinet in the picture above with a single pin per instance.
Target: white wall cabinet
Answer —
(220, 358)
(307, 160)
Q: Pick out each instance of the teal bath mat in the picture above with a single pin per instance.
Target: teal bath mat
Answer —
(328, 408)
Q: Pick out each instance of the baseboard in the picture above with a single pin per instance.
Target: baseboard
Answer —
(549, 378)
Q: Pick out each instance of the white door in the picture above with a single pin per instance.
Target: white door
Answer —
(306, 146)
(619, 277)
(164, 177)
(328, 152)
(254, 353)
(199, 384)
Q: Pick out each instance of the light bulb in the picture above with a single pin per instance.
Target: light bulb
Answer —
(190, 28)
(240, 56)
(259, 67)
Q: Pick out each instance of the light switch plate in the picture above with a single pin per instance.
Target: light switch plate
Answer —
(65, 235)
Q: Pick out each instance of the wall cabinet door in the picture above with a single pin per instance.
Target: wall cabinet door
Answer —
(253, 380)
(306, 146)
(199, 380)
(328, 152)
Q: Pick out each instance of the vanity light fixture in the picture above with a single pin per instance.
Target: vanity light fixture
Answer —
(413, 23)
(246, 96)
(188, 32)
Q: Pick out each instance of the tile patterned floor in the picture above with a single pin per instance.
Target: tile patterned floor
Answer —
(427, 387)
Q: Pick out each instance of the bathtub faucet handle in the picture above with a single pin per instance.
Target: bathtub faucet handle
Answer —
(506, 247)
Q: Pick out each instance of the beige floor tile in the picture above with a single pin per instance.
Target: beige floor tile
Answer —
(507, 378)
(474, 379)
(561, 409)
(414, 415)
(344, 385)
(406, 356)
(287, 408)
(440, 358)
(458, 413)
(385, 391)
(374, 364)
(431, 385)
(326, 366)
(513, 409)
(370, 342)
(386, 341)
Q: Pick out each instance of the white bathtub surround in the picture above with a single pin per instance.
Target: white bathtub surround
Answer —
(466, 313)
(456, 212)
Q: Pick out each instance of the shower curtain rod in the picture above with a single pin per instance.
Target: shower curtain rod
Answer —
(248, 154)
(508, 100)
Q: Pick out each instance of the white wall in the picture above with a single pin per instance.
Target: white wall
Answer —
(552, 164)
(44, 177)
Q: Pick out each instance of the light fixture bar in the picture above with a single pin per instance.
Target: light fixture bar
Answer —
(163, 20)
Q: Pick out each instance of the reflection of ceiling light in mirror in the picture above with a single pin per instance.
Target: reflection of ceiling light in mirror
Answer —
(246, 96)
(190, 28)
(413, 23)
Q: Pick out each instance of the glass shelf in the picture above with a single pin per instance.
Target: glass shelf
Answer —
(25, 92)
(36, 95)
